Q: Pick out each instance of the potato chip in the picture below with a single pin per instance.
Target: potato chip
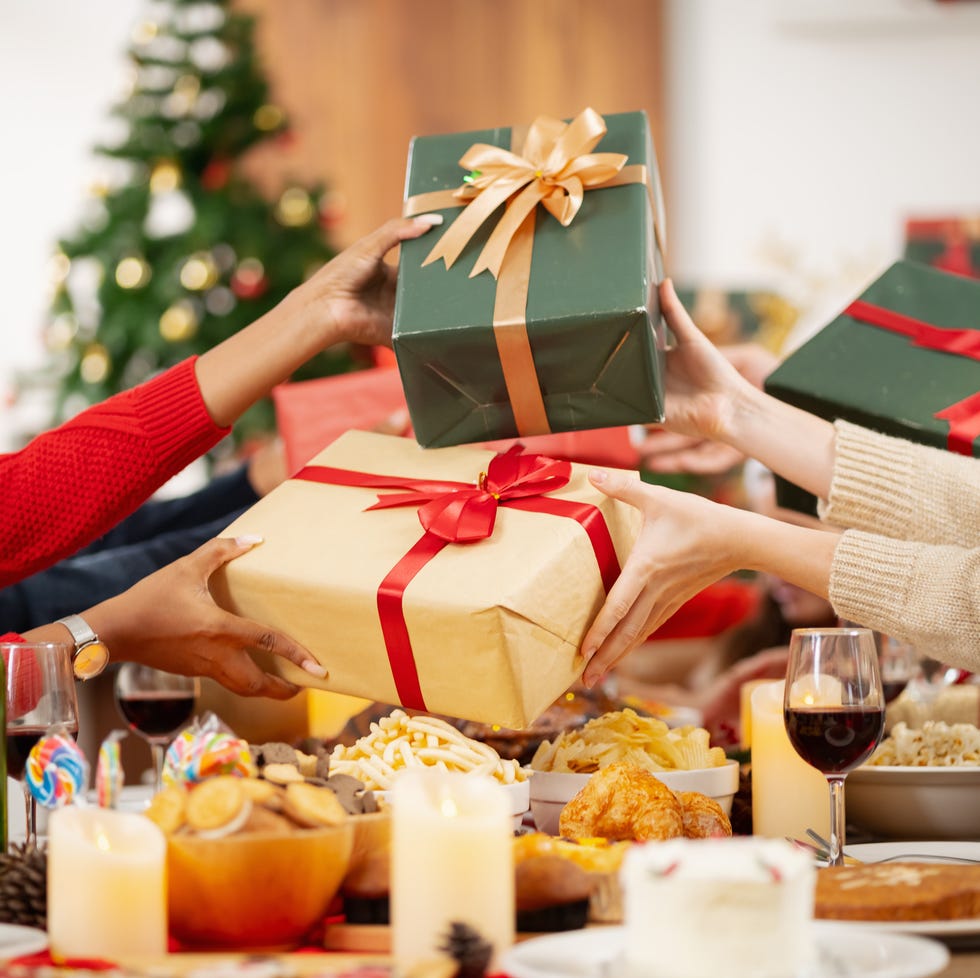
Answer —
(625, 736)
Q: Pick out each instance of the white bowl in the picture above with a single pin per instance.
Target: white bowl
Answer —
(939, 803)
(518, 792)
(551, 790)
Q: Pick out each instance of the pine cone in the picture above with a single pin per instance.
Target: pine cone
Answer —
(24, 886)
(469, 949)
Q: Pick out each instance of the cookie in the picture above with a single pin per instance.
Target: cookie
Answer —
(310, 806)
(218, 806)
(168, 808)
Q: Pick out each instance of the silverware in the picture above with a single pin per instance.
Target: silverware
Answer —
(901, 857)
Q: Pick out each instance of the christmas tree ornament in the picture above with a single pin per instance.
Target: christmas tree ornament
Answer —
(171, 213)
(198, 272)
(60, 332)
(94, 366)
(219, 301)
(215, 175)
(132, 273)
(294, 207)
(179, 323)
(249, 280)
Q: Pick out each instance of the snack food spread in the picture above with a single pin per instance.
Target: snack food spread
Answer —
(898, 891)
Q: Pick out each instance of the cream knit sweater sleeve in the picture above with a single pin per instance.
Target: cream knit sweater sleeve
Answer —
(910, 564)
(909, 492)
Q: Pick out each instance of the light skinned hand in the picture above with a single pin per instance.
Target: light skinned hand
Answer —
(354, 293)
(702, 383)
(684, 545)
(169, 620)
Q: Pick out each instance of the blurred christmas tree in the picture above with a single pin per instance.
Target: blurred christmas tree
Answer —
(178, 249)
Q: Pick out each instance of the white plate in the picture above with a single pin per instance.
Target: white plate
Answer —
(16, 940)
(940, 852)
(845, 952)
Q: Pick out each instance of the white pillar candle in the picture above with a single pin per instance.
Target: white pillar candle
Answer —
(788, 796)
(451, 860)
(107, 887)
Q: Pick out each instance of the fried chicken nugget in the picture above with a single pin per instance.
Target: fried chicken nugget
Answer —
(704, 818)
(623, 801)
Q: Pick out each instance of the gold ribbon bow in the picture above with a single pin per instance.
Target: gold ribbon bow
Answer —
(554, 167)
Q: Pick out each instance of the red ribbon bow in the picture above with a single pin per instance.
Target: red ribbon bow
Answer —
(463, 512)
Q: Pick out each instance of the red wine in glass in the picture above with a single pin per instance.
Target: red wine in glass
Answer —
(834, 740)
(892, 688)
(20, 743)
(156, 713)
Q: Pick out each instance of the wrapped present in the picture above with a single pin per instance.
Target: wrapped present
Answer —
(902, 359)
(519, 322)
(948, 243)
(310, 414)
(452, 580)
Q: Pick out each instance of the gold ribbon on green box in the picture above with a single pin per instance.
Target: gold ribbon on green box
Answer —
(554, 167)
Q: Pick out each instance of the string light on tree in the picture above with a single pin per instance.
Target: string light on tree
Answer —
(179, 323)
(59, 265)
(94, 367)
(294, 208)
(249, 280)
(145, 32)
(60, 332)
(268, 118)
(132, 273)
(164, 177)
(198, 272)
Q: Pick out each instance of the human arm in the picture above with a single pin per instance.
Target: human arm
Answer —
(169, 621)
(71, 484)
(708, 398)
(687, 542)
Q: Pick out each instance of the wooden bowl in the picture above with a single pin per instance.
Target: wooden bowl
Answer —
(254, 890)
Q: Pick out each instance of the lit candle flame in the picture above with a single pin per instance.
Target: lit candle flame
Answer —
(448, 808)
(102, 842)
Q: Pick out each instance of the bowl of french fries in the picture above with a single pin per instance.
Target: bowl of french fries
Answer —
(681, 757)
(400, 741)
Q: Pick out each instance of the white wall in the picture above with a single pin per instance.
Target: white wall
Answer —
(61, 66)
(804, 131)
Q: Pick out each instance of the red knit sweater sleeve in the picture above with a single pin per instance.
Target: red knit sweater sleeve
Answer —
(73, 483)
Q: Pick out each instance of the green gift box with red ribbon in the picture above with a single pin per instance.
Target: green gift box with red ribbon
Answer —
(455, 580)
(534, 308)
(902, 359)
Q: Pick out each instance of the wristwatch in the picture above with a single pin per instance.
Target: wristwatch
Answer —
(91, 655)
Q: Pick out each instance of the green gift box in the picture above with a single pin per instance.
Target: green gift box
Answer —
(903, 359)
(585, 347)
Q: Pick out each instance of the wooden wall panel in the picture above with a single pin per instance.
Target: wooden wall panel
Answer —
(359, 78)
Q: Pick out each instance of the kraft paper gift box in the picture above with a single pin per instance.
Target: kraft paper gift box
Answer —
(487, 630)
(562, 330)
(903, 359)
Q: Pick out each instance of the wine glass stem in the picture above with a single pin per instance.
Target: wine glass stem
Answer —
(836, 855)
(157, 750)
(30, 819)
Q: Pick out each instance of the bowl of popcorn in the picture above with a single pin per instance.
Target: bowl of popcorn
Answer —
(680, 757)
(921, 783)
(259, 840)
(399, 742)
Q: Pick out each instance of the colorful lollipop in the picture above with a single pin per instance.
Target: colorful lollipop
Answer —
(194, 756)
(109, 777)
(56, 771)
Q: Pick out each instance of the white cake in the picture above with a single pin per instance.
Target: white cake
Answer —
(741, 908)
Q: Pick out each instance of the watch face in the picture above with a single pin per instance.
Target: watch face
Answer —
(90, 660)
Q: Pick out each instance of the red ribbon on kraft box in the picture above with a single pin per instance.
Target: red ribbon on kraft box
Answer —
(463, 512)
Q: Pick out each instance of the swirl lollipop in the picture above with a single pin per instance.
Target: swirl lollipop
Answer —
(195, 755)
(109, 776)
(56, 771)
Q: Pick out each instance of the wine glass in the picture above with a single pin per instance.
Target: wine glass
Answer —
(834, 709)
(40, 695)
(155, 704)
(899, 662)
